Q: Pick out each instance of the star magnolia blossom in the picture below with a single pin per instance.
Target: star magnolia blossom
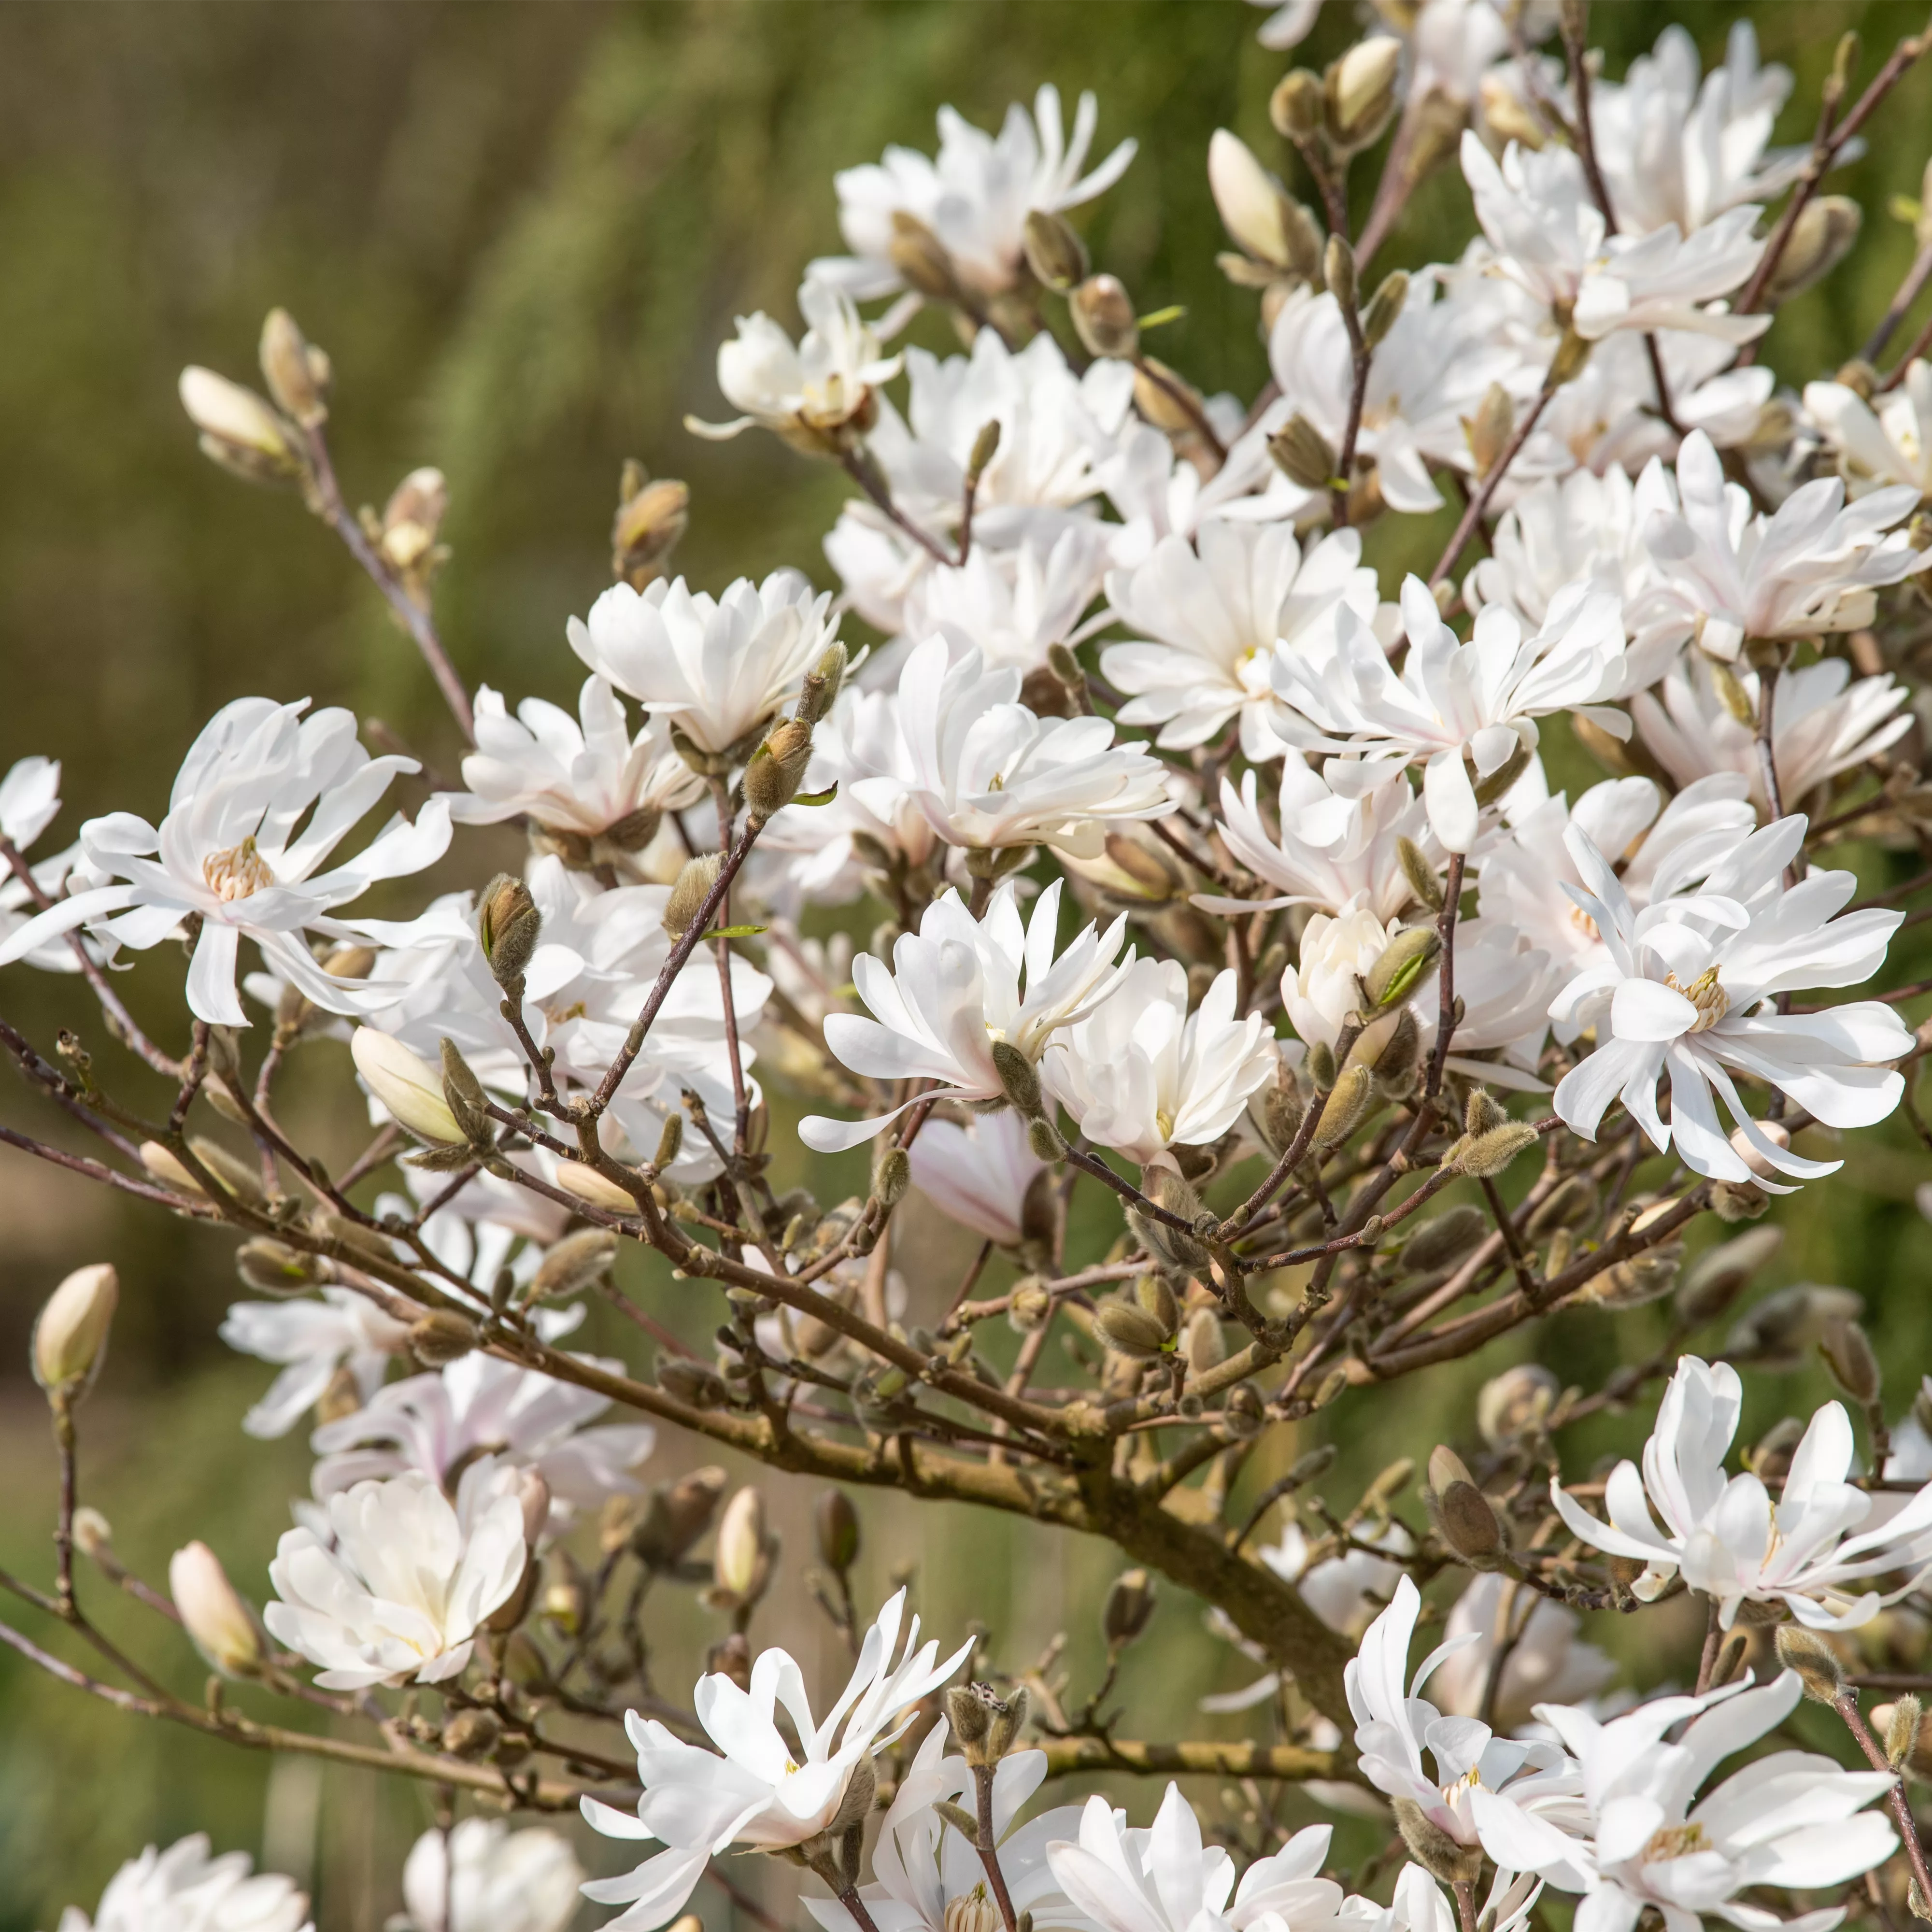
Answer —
(1542, 1660)
(262, 799)
(758, 1793)
(1395, 1726)
(975, 195)
(481, 1876)
(29, 802)
(1822, 722)
(407, 1583)
(1727, 573)
(1141, 1074)
(929, 1879)
(718, 668)
(979, 1174)
(989, 773)
(1685, 989)
(1209, 618)
(1164, 1880)
(1454, 701)
(312, 1340)
(583, 777)
(1646, 1843)
(1551, 240)
(954, 989)
(805, 392)
(1334, 849)
(183, 1889)
(1728, 1538)
(431, 1424)
(1889, 444)
(1014, 604)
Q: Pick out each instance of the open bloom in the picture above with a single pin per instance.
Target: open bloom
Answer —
(753, 1790)
(183, 1889)
(579, 778)
(481, 1876)
(312, 1340)
(954, 989)
(1823, 721)
(718, 668)
(1685, 988)
(1163, 1878)
(1726, 572)
(29, 801)
(407, 1583)
(1891, 443)
(1454, 701)
(1644, 1842)
(1727, 1537)
(433, 1425)
(1014, 604)
(1542, 1660)
(806, 392)
(975, 195)
(1394, 1725)
(988, 772)
(928, 1879)
(1208, 618)
(262, 799)
(980, 1175)
(1141, 1074)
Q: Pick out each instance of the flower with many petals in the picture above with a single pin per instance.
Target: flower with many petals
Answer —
(29, 802)
(313, 1341)
(481, 1876)
(1532, 1644)
(1016, 604)
(1890, 443)
(184, 1889)
(981, 1174)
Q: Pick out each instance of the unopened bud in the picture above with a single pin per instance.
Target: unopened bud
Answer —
(233, 1177)
(741, 1562)
(1055, 253)
(1029, 1305)
(1254, 208)
(1439, 1855)
(1128, 1609)
(1018, 1079)
(1901, 1731)
(71, 1335)
(471, 1735)
(94, 1539)
(820, 691)
(1488, 1154)
(1405, 958)
(572, 1265)
(1385, 305)
(1043, 1141)
(1155, 1294)
(1342, 1112)
(464, 1093)
(1815, 1661)
(1566, 365)
(507, 924)
(1443, 1238)
(1338, 270)
(1847, 1353)
(1462, 1513)
(1488, 431)
(1423, 879)
(777, 769)
(836, 1524)
(1207, 1345)
(1303, 453)
(443, 1337)
(238, 428)
(693, 1382)
(969, 1710)
(920, 257)
(688, 894)
(1178, 1246)
(651, 521)
(408, 1086)
(297, 374)
(678, 1516)
(1296, 104)
(1821, 238)
(1780, 1331)
(892, 1176)
(1241, 1413)
(1129, 1329)
(1103, 317)
(1359, 91)
(218, 1623)
(1483, 1111)
(1515, 1402)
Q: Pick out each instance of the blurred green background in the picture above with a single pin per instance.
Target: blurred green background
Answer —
(521, 231)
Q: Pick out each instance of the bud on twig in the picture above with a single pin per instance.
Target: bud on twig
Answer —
(1338, 270)
(1513, 1403)
(572, 1263)
(507, 924)
(1821, 238)
(219, 1623)
(892, 1176)
(1342, 1112)
(694, 1382)
(1055, 253)
(1359, 91)
(1462, 1513)
(1488, 1154)
(238, 428)
(651, 519)
(1103, 317)
(835, 1522)
(1295, 105)
(410, 1087)
(1017, 1078)
(777, 769)
(463, 1092)
(691, 889)
(741, 1560)
(1406, 958)
(1128, 1609)
(471, 1735)
(678, 1516)
(1129, 1329)
(1303, 453)
(1847, 1353)
(1439, 1855)
(1815, 1661)
(1254, 207)
(1443, 1238)
(71, 1335)
(297, 373)
(1901, 1731)
(443, 1337)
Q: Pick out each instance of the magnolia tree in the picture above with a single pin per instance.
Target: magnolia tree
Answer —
(1208, 875)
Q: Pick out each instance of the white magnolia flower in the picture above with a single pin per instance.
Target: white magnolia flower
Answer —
(1334, 849)
(979, 1174)
(1645, 1843)
(1551, 240)
(1163, 1878)
(312, 1340)
(929, 1879)
(953, 989)
(1394, 1725)
(1158, 494)
(1013, 604)
(481, 1876)
(975, 195)
(1686, 988)
(1526, 871)
(1419, 1906)
(990, 773)
(805, 391)
(433, 1425)
(29, 802)
(1726, 1536)
(1674, 152)
(1725, 573)
(1209, 619)
(765, 1792)
(1141, 1074)
(406, 1583)
(583, 777)
(1345, 1591)
(1822, 722)
(183, 1889)
(1542, 1660)
(1288, 22)
(718, 668)
(1891, 443)
(262, 799)
(1454, 701)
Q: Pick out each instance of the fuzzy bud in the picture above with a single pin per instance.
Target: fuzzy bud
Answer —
(1017, 1078)
(651, 519)
(507, 923)
(572, 1265)
(892, 1176)
(218, 1623)
(1303, 453)
(297, 374)
(676, 1516)
(410, 1087)
(71, 1335)
(1848, 1356)
(1342, 1112)
(688, 894)
(1029, 1305)
(1515, 1402)
(1359, 91)
(1462, 1513)
(1423, 880)
(1482, 1112)
(1206, 1346)
(1055, 253)
(1488, 1154)
(464, 1093)
(443, 1337)
(1816, 1662)
(1439, 1855)
(1443, 1238)
(1129, 1608)
(1295, 105)
(1129, 1329)
(1901, 1731)
(1178, 1247)
(820, 691)
(1821, 237)
(1043, 1141)
(471, 1735)
(1241, 1414)
(1103, 317)
(94, 1537)
(1405, 959)
(777, 769)
(1390, 297)
(238, 428)
(835, 1523)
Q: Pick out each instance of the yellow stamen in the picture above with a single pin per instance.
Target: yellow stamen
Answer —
(236, 873)
(1704, 993)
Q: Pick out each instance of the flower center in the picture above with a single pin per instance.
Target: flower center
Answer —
(1704, 993)
(972, 1912)
(237, 872)
(1584, 923)
(1165, 1122)
(1675, 1841)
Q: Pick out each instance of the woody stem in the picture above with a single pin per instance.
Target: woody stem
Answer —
(988, 1851)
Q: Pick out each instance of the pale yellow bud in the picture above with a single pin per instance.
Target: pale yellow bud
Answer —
(587, 1184)
(70, 1337)
(218, 1623)
(409, 1086)
(237, 428)
(1359, 90)
(741, 1560)
(1253, 205)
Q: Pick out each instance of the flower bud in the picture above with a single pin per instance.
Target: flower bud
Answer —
(1423, 880)
(920, 257)
(1103, 317)
(1162, 395)
(1405, 958)
(594, 1189)
(1207, 1345)
(777, 769)
(471, 1735)
(1515, 1402)
(1780, 1331)
(1444, 1238)
(94, 1537)
(1462, 1515)
(1359, 91)
(1296, 104)
(235, 1177)
(1029, 1305)
(1901, 1728)
(463, 1092)
(443, 1337)
(1385, 305)
(1176, 1246)
(1488, 1154)
(1847, 1353)
(218, 1623)
(507, 923)
(1241, 1413)
(1017, 1078)
(238, 429)
(1338, 270)
(1342, 1112)
(892, 1176)
(652, 518)
(1483, 1111)
(1816, 1662)
(741, 1562)
(676, 1516)
(1253, 205)
(1303, 453)
(1821, 238)
(572, 1265)
(835, 1522)
(1129, 1329)
(1128, 1609)
(407, 534)
(71, 1335)
(410, 1087)
(1055, 253)
(1156, 1296)
(691, 889)
(1043, 1141)
(297, 374)
(969, 1710)
(671, 1138)
(694, 1382)
(1439, 1855)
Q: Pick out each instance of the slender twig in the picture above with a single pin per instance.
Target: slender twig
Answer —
(1846, 1705)
(1909, 292)
(1479, 498)
(861, 474)
(987, 1846)
(1183, 399)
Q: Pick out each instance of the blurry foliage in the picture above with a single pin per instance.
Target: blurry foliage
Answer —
(521, 231)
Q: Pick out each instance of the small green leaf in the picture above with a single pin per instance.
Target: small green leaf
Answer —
(1162, 317)
(824, 797)
(736, 931)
